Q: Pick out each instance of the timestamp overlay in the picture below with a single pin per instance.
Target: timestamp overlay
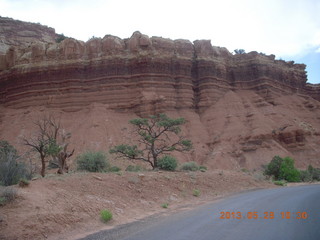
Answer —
(286, 213)
(255, 215)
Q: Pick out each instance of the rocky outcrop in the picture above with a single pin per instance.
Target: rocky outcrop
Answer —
(239, 108)
(18, 38)
(18, 34)
(163, 74)
(313, 90)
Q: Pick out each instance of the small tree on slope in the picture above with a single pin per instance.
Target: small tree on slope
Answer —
(157, 135)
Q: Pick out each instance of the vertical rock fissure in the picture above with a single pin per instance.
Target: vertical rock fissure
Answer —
(195, 82)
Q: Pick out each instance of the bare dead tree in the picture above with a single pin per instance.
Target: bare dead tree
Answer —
(40, 142)
(62, 154)
(51, 140)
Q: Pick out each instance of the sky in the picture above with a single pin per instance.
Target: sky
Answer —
(289, 29)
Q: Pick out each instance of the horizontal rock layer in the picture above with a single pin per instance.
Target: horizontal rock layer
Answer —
(154, 72)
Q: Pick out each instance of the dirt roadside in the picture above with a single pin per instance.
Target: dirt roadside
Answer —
(68, 206)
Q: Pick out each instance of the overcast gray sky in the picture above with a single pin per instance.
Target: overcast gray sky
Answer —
(290, 29)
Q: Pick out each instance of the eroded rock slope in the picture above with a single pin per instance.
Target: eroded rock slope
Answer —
(241, 109)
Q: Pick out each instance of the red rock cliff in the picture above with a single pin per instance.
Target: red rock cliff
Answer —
(240, 108)
(126, 73)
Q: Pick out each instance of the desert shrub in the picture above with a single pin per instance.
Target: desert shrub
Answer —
(310, 169)
(7, 194)
(92, 162)
(196, 193)
(316, 174)
(2, 201)
(283, 169)
(190, 166)
(280, 183)
(239, 51)
(10, 169)
(23, 182)
(114, 169)
(7, 149)
(134, 168)
(165, 205)
(259, 176)
(305, 176)
(168, 163)
(203, 168)
(106, 215)
(60, 38)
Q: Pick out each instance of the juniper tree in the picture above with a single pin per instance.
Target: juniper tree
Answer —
(157, 135)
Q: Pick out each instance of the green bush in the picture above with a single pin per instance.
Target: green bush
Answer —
(280, 183)
(167, 163)
(135, 168)
(2, 201)
(288, 172)
(11, 171)
(190, 166)
(7, 194)
(92, 162)
(196, 193)
(314, 172)
(114, 169)
(310, 169)
(283, 169)
(203, 168)
(305, 176)
(23, 182)
(165, 205)
(273, 168)
(106, 215)
(60, 38)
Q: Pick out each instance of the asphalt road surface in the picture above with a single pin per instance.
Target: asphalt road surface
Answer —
(288, 213)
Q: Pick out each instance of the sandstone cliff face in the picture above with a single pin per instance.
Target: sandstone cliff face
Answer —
(185, 75)
(242, 109)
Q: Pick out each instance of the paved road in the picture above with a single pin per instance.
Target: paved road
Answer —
(256, 208)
